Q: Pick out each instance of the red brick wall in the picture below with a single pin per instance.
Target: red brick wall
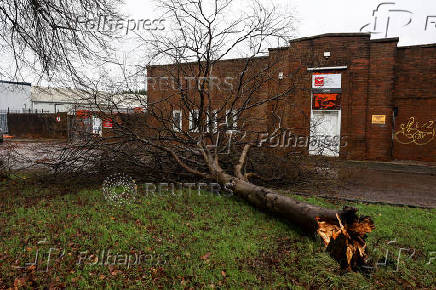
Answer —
(415, 97)
(379, 77)
(381, 82)
(351, 51)
(256, 118)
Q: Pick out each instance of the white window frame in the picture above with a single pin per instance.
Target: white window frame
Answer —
(235, 120)
(215, 124)
(191, 121)
(175, 128)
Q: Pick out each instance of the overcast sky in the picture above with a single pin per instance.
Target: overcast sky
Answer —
(321, 16)
(413, 21)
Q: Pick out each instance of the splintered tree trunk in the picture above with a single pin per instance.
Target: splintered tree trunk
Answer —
(343, 232)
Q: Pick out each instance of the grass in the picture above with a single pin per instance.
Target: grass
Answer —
(205, 241)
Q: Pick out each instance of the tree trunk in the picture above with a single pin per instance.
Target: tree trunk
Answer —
(343, 232)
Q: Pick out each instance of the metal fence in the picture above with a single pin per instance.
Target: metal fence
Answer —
(23, 111)
(4, 128)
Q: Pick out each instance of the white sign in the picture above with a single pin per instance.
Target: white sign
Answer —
(326, 81)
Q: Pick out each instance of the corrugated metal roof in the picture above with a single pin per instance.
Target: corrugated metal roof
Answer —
(81, 97)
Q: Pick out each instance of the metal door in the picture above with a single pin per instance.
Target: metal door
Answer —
(325, 130)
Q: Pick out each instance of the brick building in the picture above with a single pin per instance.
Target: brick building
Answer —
(379, 96)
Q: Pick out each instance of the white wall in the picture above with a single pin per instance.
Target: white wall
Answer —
(14, 96)
(51, 107)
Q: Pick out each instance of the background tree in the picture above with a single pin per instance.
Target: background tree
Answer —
(44, 38)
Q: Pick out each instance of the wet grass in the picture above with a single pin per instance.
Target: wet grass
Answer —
(191, 240)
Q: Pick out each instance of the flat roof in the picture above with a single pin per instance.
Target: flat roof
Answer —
(256, 57)
(345, 34)
(15, 83)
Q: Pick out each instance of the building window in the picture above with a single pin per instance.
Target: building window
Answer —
(212, 121)
(231, 119)
(177, 120)
(193, 121)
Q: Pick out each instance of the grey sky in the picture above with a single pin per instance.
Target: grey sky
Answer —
(319, 16)
(414, 21)
(349, 16)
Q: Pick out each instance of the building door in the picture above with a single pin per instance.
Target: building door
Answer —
(325, 130)
(96, 126)
(325, 123)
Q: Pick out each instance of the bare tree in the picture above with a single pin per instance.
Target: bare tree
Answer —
(204, 107)
(48, 37)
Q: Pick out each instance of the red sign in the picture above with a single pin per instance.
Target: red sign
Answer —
(82, 113)
(107, 124)
(319, 81)
(326, 102)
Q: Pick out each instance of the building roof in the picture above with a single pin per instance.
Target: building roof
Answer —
(15, 83)
(345, 34)
(81, 97)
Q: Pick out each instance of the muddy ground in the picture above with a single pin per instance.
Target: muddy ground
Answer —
(393, 183)
(396, 183)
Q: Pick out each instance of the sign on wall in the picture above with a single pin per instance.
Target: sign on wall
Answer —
(326, 102)
(107, 124)
(82, 114)
(378, 119)
(326, 83)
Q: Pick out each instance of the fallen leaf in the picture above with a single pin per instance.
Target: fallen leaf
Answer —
(19, 282)
(206, 256)
(115, 272)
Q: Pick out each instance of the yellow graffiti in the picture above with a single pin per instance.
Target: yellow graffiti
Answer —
(412, 133)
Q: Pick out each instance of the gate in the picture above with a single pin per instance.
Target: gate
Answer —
(3, 123)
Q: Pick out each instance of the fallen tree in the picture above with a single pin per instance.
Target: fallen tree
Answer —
(343, 232)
